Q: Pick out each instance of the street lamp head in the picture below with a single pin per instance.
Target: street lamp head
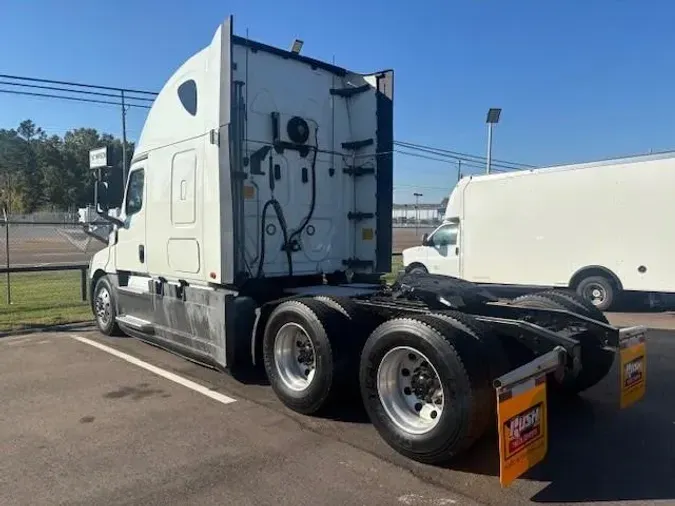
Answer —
(493, 115)
(296, 46)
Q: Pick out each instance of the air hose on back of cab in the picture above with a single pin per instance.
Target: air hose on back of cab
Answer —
(282, 223)
(312, 205)
(288, 245)
(284, 230)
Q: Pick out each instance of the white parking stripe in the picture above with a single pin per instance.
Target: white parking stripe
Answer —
(157, 370)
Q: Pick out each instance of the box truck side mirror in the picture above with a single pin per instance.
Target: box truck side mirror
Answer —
(425, 239)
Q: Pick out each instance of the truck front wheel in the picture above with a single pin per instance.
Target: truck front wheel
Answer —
(105, 308)
(425, 386)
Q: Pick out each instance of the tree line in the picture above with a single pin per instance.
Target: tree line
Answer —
(39, 172)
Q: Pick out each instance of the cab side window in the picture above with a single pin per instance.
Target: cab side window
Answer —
(135, 192)
(445, 236)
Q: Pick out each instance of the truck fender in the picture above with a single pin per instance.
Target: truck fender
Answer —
(93, 279)
(594, 270)
(262, 314)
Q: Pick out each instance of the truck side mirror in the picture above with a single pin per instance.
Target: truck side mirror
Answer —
(425, 239)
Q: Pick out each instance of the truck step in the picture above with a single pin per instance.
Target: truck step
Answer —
(136, 323)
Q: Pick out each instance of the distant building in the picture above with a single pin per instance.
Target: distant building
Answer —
(424, 214)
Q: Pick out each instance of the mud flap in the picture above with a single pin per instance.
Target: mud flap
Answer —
(633, 365)
(522, 415)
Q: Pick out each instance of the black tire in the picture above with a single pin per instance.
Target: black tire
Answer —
(322, 325)
(105, 305)
(458, 359)
(491, 344)
(595, 361)
(580, 305)
(416, 269)
(605, 285)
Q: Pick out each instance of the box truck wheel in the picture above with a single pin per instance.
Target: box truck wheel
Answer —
(598, 290)
(416, 269)
(595, 361)
(105, 307)
(304, 360)
(425, 386)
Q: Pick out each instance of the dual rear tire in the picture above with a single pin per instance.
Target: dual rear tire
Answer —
(425, 381)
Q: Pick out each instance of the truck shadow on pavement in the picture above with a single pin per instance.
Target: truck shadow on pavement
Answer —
(598, 452)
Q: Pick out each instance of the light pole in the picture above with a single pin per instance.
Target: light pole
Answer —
(492, 119)
(417, 212)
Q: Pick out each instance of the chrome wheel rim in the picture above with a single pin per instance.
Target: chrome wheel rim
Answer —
(410, 390)
(294, 357)
(102, 305)
(595, 293)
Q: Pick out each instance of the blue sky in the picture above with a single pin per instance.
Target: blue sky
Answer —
(577, 80)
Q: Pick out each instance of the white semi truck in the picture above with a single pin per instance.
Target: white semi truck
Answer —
(602, 229)
(256, 224)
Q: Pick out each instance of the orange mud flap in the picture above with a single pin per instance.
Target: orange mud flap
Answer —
(522, 416)
(633, 368)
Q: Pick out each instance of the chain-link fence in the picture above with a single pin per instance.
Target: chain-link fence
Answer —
(43, 261)
(407, 236)
(43, 270)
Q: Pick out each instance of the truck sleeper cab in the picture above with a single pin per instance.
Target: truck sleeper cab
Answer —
(249, 238)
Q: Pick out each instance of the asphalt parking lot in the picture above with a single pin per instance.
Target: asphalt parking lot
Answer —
(132, 424)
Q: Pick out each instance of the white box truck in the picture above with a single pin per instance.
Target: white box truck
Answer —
(601, 229)
(256, 224)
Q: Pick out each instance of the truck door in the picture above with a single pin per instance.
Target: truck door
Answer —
(443, 250)
(130, 249)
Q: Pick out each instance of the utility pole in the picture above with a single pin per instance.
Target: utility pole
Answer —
(417, 212)
(124, 141)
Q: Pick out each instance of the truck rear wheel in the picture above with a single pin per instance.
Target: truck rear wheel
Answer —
(425, 387)
(304, 359)
(578, 303)
(595, 361)
(493, 350)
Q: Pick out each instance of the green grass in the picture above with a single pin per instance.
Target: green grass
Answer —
(41, 299)
(396, 266)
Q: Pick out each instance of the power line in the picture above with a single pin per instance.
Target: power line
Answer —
(461, 156)
(82, 85)
(74, 99)
(67, 90)
(465, 163)
(126, 94)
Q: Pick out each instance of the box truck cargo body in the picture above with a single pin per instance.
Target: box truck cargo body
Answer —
(255, 227)
(600, 228)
